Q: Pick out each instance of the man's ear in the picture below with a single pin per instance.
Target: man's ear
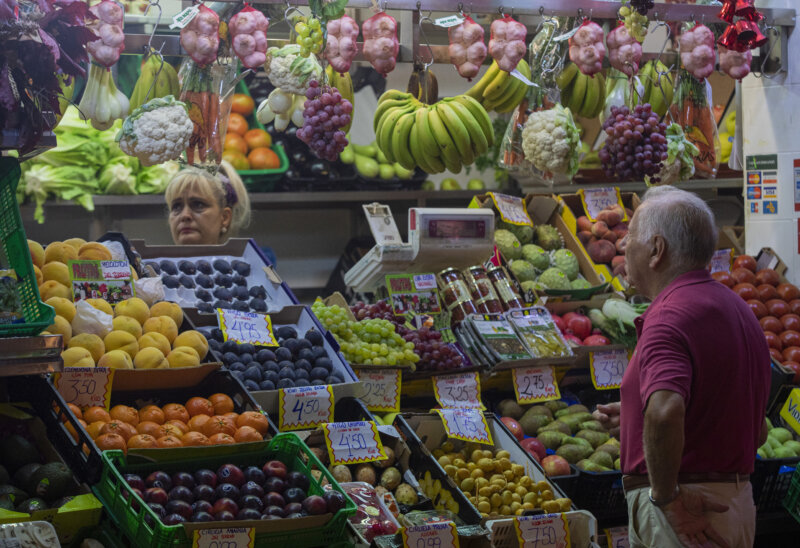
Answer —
(658, 251)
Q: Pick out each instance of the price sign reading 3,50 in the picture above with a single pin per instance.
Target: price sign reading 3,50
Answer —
(353, 442)
(549, 530)
(466, 424)
(535, 384)
(246, 327)
(463, 390)
(431, 535)
(305, 407)
(381, 389)
(85, 386)
(607, 368)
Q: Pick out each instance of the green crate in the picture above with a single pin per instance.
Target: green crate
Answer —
(136, 523)
(792, 500)
(37, 314)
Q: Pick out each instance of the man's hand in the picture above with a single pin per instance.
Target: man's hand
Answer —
(608, 415)
(687, 516)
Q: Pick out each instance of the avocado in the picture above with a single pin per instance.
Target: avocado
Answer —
(573, 453)
(4, 477)
(22, 477)
(31, 505)
(555, 405)
(51, 481)
(510, 408)
(577, 408)
(12, 494)
(603, 459)
(16, 451)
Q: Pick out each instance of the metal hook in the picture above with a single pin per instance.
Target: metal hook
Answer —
(424, 36)
(153, 4)
(768, 29)
(460, 8)
(502, 11)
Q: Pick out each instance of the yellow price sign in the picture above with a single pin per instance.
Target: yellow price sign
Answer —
(791, 410)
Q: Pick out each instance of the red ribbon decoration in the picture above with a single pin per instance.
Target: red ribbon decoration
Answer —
(744, 34)
(728, 11)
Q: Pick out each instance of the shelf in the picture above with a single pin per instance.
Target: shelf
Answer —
(30, 355)
(694, 184)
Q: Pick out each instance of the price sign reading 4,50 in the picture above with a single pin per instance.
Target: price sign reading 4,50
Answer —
(463, 390)
(353, 442)
(607, 368)
(234, 537)
(535, 384)
(381, 389)
(85, 386)
(617, 537)
(549, 530)
(246, 327)
(466, 424)
(305, 407)
(431, 535)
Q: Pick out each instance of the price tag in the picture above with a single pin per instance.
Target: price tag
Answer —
(535, 384)
(461, 390)
(381, 223)
(235, 537)
(511, 208)
(107, 280)
(791, 410)
(183, 18)
(85, 386)
(542, 531)
(304, 407)
(466, 424)
(353, 442)
(721, 261)
(246, 327)
(607, 368)
(617, 537)
(382, 389)
(449, 21)
(596, 200)
(431, 535)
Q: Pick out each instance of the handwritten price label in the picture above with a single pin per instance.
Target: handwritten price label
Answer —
(607, 368)
(466, 424)
(235, 537)
(85, 386)
(617, 537)
(462, 390)
(382, 389)
(304, 407)
(512, 208)
(596, 200)
(246, 327)
(542, 531)
(353, 442)
(432, 535)
(535, 384)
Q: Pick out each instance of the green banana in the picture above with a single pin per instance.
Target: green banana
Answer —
(578, 93)
(513, 99)
(458, 132)
(590, 99)
(447, 147)
(383, 136)
(477, 138)
(427, 145)
(480, 114)
(646, 77)
(601, 102)
(399, 141)
(383, 109)
(394, 94)
(476, 91)
(498, 87)
(565, 78)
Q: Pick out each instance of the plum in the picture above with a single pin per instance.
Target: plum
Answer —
(269, 517)
(258, 292)
(180, 507)
(159, 479)
(293, 508)
(157, 508)
(298, 479)
(168, 267)
(187, 281)
(315, 505)
(224, 515)
(204, 281)
(254, 474)
(135, 481)
(202, 505)
(258, 305)
(249, 513)
(273, 498)
(276, 511)
(205, 476)
(204, 267)
(227, 490)
(181, 492)
(230, 473)
(187, 267)
(157, 495)
(241, 282)
(173, 519)
(170, 282)
(203, 492)
(294, 494)
(225, 504)
(222, 266)
(275, 469)
(223, 294)
(183, 478)
(314, 337)
(202, 516)
(251, 501)
(334, 500)
(253, 487)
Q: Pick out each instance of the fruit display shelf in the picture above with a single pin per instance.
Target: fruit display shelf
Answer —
(30, 355)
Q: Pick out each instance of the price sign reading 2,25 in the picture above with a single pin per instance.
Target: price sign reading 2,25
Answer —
(607, 367)
(305, 407)
(246, 327)
(353, 442)
(381, 389)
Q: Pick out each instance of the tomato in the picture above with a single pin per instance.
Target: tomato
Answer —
(742, 275)
(776, 355)
(242, 104)
(788, 292)
(791, 354)
(758, 308)
(790, 338)
(724, 278)
(766, 292)
(236, 158)
(795, 368)
(234, 141)
(263, 158)
(745, 261)
(771, 323)
(773, 340)
(237, 124)
(777, 307)
(258, 138)
(794, 306)
(768, 276)
(746, 291)
(791, 322)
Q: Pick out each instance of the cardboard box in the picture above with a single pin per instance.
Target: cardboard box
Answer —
(732, 237)
(768, 258)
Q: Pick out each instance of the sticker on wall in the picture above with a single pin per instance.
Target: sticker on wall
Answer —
(753, 207)
(797, 184)
(753, 192)
(770, 192)
(770, 207)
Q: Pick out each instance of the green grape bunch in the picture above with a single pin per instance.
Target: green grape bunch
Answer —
(309, 35)
(635, 22)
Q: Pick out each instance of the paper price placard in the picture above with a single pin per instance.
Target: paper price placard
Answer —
(549, 530)
(790, 412)
(535, 384)
(596, 200)
(235, 537)
(85, 386)
(381, 389)
(304, 407)
(353, 442)
(107, 280)
(462, 390)
(246, 327)
(511, 208)
(432, 535)
(617, 537)
(466, 424)
(607, 368)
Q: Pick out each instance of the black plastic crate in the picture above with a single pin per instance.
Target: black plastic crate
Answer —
(601, 493)
(771, 479)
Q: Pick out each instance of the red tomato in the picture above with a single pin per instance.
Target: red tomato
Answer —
(791, 354)
(790, 338)
(776, 355)
(793, 366)
(745, 261)
(777, 307)
(788, 292)
(771, 323)
(791, 322)
(773, 340)
(768, 276)
(794, 306)
(743, 275)
(758, 308)
(766, 292)
(746, 291)
(724, 278)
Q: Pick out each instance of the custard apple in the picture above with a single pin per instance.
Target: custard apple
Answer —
(531, 286)
(547, 237)
(553, 278)
(523, 270)
(523, 233)
(580, 283)
(508, 244)
(566, 261)
(537, 256)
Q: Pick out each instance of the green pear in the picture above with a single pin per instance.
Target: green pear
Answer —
(366, 166)
(450, 184)
(475, 184)
(369, 151)
(348, 155)
(781, 434)
(428, 185)
(385, 171)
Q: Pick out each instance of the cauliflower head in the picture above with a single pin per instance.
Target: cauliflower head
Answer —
(551, 141)
(288, 70)
(157, 131)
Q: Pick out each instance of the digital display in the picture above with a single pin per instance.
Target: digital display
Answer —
(456, 229)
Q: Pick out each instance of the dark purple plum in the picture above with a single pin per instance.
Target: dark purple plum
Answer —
(229, 473)
(173, 519)
(293, 508)
(224, 515)
(252, 488)
(298, 479)
(254, 473)
(135, 481)
(251, 501)
(315, 505)
(227, 490)
(157, 495)
(227, 505)
(180, 507)
(334, 500)
(270, 516)
(180, 492)
(274, 499)
(202, 506)
(275, 484)
(159, 479)
(275, 511)
(294, 494)
(295, 515)
(183, 478)
(157, 508)
(205, 477)
(204, 492)
(248, 513)
(202, 516)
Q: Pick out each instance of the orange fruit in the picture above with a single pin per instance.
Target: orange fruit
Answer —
(233, 416)
(196, 423)
(167, 429)
(152, 413)
(263, 158)
(255, 420)
(118, 427)
(221, 439)
(175, 411)
(142, 441)
(96, 413)
(222, 403)
(234, 141)
(125, 414)
(237, 124)
(75, 410)
(199, 406)
(236, 158)
(242, 104)
(247, 433)
(194, 439)
(180, 425)
(71, 429)
(150, 428)
(111, 441)
(94, 428)
(169, 441)
(257, 138)
(219, 424)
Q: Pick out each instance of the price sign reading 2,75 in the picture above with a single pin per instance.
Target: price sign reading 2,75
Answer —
(535, 384)
(607, 367)
(305, 407)
(353, 442)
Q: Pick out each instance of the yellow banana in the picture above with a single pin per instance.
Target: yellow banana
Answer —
(476, 91)
(399, 140)
(447, 147)
(480, 114)
(498, 87)
(458, 132)
(524, 68)
(477, 138)
(511, 90)
(384, 108)
(590, 98)
(514, 99)
(424, 143)
(383, 137)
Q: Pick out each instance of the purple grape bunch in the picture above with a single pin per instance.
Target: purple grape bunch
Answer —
(635, 144)
(642, 6)
(325, 113)
(434, 354)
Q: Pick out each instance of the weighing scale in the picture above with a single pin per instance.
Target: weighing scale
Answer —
(439, 238)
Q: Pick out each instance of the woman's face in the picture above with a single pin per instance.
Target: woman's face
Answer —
(197, 219)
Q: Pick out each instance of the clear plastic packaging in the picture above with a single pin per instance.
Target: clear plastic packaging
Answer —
(373, 518)
(540, 334)
(31, 534)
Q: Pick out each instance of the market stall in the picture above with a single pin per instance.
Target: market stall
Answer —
(407, 345)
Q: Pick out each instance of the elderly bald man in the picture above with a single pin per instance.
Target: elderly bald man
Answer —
(693, 397)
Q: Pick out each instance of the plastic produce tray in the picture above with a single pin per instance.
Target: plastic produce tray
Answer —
(15, 246)
(792, 500)
(771, 480)
(309, 531)
(601, 494)
(582, 530)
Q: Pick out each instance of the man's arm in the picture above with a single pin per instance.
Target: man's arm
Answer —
(663, 442)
